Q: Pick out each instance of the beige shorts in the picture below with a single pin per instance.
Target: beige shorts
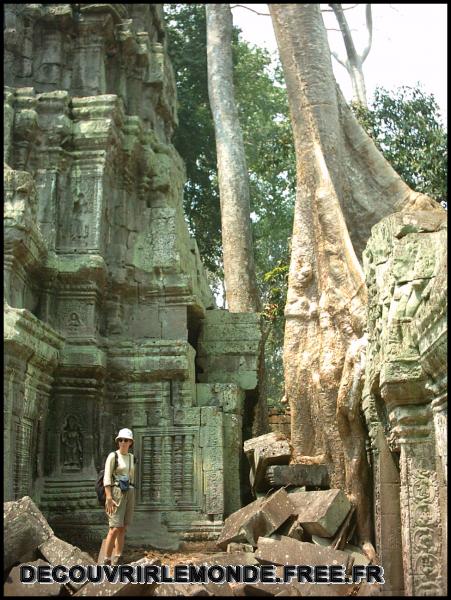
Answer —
(123, 514)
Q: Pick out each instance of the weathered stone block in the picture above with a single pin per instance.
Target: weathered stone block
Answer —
(59, 552)
(228, 348)
(322, 512)
(236, 547)
(14, 587)
(120, 589)
(25, 528)
(267, 439)
(228, 395)
(173, 323)
(261, 517)
(180, 589)
(299, 475)
(292, 528)
(228, 558)
(288, 551)
(356, 553)
(267, 452)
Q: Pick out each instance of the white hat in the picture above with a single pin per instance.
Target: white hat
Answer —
(125, 433)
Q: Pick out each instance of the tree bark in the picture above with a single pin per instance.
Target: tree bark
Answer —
(238, 255)
(344, 187)
(352, 429)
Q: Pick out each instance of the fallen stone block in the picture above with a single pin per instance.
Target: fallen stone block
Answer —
(263, 451)
(262, 441)
(219, 589)
(275, 453)
(288, 551)
(232, 530)
(292, 528)
(263, 589)
(107, 588)
(346, 530)
(58, 552)
(267, 438)
(25, 528)
(322, 512)
(181, 589)
(327, 589)
(14, 587)
(299, 475)
(322, 541)
(236, 547)
(261, 517)
(357, 554)
(227, 558)
(292, 588)
(290, 592)
(372, 589)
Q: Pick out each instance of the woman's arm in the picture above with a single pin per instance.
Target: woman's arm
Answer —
(108, 483)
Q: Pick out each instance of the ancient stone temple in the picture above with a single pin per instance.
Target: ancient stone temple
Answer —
(405, 398)
(109, 320)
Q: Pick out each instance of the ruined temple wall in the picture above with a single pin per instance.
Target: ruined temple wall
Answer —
(31, 347)
(115, 281)
(405, 397)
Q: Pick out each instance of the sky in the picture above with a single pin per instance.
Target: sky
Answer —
(409, 45)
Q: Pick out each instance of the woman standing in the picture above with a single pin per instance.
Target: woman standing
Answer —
(119, 494)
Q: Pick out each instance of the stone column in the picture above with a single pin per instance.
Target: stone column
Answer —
(420, 505)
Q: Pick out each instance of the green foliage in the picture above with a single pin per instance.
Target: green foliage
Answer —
(405, 125)
(195, 138)
(277, 279)
(263, 112)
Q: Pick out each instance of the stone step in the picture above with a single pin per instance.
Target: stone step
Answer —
(51, 483)
(73, 489)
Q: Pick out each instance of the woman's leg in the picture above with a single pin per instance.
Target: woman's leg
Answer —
(110, 540)
(127, 505)
(119, 544)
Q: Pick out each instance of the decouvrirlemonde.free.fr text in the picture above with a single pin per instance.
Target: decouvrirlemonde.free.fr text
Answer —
(200, 574)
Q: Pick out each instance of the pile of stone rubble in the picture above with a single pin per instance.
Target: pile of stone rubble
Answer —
(287, 524)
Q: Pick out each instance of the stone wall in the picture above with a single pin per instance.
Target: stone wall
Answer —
(405, 397)
(107, 303)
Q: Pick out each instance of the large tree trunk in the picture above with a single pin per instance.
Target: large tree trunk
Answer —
(238, 255)
(344, 186)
